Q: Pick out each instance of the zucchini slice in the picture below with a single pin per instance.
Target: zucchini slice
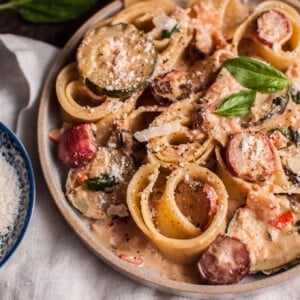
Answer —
(100, 185)
(270, 248)
(116, 60)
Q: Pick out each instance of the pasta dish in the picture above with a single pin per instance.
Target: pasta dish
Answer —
(180, 129)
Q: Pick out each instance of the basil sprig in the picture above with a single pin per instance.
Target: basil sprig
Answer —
(101, 182)
(237, 104)
(254, 75)
(45, 11)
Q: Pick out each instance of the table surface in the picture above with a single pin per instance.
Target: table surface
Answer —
(54, 34)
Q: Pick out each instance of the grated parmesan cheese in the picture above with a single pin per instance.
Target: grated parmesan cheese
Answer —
(247, 143)
(9, 196)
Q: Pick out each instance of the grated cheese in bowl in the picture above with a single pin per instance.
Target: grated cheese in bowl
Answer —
(17, 192)
(9, 196)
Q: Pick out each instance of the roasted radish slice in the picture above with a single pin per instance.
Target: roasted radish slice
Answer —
(251, 156)
(226, 261)
(78, 146)
(171, 87)
(273, 27)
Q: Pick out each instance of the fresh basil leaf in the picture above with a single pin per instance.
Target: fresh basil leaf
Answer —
(100, 183)
(256, 75)
(166, 34)
(44, 11)
(237, 105)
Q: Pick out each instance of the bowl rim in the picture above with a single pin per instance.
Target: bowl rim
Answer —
(138, 275)
(32, 191)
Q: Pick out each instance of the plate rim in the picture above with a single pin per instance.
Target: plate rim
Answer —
(160, 283)
(32, 191)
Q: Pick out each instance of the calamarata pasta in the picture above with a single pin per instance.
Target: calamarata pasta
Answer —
(181, 130)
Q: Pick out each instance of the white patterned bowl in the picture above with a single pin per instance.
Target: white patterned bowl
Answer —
(13, 152)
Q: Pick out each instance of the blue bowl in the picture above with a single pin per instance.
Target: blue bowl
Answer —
(14, 153)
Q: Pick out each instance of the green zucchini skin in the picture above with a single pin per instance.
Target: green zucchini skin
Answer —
(102, 91)
(116, 60)
(284, 250)
(109, 174)
(282, 268)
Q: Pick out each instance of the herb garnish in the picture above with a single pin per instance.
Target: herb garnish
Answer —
(166, 34)
(237, 104)
(44, 11)
(101, 182)
(254, 75)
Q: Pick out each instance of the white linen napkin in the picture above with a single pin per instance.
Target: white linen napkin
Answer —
(51, 262)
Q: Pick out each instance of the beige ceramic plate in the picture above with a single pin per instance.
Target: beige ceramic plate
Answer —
(55, 177)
